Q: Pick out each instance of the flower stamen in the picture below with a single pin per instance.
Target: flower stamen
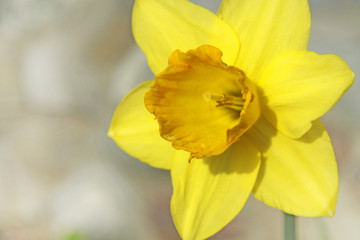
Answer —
(224, 100)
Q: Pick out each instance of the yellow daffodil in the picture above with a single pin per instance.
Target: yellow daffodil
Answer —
(239, 95)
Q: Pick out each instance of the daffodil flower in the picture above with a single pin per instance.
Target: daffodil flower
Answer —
(239, 95)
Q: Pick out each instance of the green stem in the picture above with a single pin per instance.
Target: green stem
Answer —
(289, 227)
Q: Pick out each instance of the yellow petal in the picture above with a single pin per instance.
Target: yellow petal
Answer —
(298, 176)
(162, 26)
(202, 105)
(266, 29)
(299, 87)
(136, 131)
(209, 193)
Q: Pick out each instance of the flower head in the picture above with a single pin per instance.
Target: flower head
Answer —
(248, 113)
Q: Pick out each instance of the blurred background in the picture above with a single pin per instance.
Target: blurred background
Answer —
(64, 67)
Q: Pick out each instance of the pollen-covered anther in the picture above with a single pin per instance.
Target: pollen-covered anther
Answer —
(244, 94)
(248, 98)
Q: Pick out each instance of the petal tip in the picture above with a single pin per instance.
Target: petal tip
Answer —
(111, 133)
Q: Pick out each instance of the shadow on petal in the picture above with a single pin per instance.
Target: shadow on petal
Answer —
(315, 132)
(240, 158)
(262, 132)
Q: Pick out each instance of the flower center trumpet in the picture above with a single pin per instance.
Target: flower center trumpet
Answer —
(202, 105)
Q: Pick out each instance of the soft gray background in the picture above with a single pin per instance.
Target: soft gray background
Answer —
(64, 67)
